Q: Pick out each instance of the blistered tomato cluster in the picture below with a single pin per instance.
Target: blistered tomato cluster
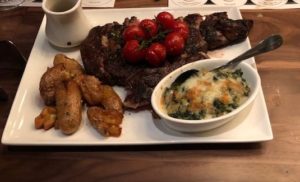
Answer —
(154, 39)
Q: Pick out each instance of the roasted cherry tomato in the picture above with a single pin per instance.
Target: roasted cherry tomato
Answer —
(133, 52)
(149, 27)
(182, 28)
(166, 19)
(133, 32)
(174, 43)
(156, 54)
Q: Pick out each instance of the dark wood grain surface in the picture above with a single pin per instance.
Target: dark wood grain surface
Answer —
(276, 160)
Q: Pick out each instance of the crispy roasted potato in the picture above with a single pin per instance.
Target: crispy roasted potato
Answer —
(105, 121)
(46, 119)
(70, 64)
(49, 80)
(68, 106)
(64, 69)
(110, 99)
(97, 94)
(90, 89)
(63, 86)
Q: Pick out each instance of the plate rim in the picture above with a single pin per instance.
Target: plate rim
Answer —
(7, 140)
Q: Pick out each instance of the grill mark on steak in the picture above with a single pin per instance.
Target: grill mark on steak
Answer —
(101, 53)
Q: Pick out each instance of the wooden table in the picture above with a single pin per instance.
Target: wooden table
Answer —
(276, 160)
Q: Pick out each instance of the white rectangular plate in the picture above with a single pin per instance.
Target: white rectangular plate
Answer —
(138, 128)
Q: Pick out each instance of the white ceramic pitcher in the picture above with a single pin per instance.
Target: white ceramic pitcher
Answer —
(66, 24)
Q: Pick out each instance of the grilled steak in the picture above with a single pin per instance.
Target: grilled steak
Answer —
(220, 31)
(102, 56)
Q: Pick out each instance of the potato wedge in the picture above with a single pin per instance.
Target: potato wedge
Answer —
(97, 94)
(48, 81)
(105, 121)
(68, 106)
(70, 64)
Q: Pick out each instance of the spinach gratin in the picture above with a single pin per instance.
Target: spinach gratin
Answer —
(206, 94)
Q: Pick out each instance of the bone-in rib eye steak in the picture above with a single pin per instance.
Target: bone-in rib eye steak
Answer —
(102, 56)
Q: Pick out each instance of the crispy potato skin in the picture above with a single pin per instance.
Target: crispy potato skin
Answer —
(64, 86)
(71, 65)
(110, 99)
(68, 106)
(105, 121)
(49, 80)
(64, 69)
(106, 118)
(97, 94)
(46, 119)
(90, 88)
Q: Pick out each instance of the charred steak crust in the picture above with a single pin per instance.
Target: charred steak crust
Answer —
(102, 57)
(220, 31)
(102, 45)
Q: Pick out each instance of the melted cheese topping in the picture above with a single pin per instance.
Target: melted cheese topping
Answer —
(210, 94)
